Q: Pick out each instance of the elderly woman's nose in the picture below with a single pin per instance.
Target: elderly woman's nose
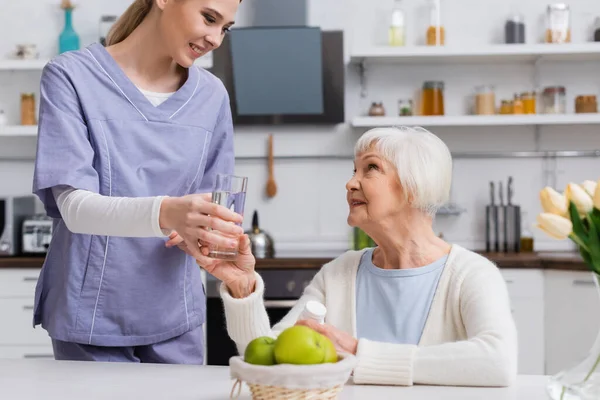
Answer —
(352, 184)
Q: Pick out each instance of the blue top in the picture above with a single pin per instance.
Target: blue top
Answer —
(392, 305)
(99, 133)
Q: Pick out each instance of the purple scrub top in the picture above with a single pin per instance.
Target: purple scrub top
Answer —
(99, 133)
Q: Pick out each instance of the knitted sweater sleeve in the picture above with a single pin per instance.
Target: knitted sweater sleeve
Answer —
(247, 318)
(488, 357)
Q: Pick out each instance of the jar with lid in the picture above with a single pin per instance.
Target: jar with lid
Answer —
(485, 100)
(405, 108)
(376, 110)
(432, 98)
(28, 109)
(397, 30)
(106, 22)
(586, 104)
(518, 107)
(554, 100)
(506, 107)
(529, 103)
(558, 23)
(514, 29)
(435, 36)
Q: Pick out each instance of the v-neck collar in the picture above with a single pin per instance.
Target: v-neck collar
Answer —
(166, 110)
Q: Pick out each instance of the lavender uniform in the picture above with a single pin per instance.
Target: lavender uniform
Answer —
(99, 133)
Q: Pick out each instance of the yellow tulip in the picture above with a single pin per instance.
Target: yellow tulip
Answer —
(589, 187)
(597, 196)
(554, 225)
(582, 200)
(553, 202)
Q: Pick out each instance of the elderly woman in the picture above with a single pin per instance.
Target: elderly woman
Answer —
(414, 309)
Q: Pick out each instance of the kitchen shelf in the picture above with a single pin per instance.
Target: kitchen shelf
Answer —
(525, 53)
(18, 130)
(23, 65)
(479, 120)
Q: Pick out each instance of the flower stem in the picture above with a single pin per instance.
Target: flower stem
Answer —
(593, 369)
(579, 242)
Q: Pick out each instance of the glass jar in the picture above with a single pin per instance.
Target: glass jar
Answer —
(436, 35)
(514, 29)
(586, 104)
(485, 100)
(432, 98)
(558, 23)
(554, 100)
(405, 108)
(529, 102)
(397, 30)
(376, 110)
(518, 107)
(506, 107)
(28, 109)
(106, 22)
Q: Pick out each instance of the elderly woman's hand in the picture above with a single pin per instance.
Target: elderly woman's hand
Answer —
(344, 343)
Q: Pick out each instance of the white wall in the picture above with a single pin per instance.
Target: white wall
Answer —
(309, 211)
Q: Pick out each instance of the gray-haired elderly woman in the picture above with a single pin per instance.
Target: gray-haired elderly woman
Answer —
(414, 309)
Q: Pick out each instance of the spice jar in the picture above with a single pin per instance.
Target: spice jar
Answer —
(405, 108)
(529, 103)
(28, 109)
(518, 107)
(514, 29)
(586, 104)
(558, 23)
(554, 100)
(506, 107)
(376, 110)
(432, 99)
(435, 35)
(485, 100)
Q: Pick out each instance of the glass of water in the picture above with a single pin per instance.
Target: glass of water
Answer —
(230, 192)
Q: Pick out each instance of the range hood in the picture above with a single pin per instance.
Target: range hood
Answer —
(267, 13)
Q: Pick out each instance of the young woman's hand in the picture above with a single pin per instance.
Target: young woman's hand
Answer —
(196, 219)
(238, 274)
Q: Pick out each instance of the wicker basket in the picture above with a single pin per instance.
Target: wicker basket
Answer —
(292, 382)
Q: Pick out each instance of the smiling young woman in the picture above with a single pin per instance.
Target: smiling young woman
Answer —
(140, 133)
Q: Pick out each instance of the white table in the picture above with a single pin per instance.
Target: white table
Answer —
(50, 380)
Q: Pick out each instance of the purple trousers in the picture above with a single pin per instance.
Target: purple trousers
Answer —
(184, 349)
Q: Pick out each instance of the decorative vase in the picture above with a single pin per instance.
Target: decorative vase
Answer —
(68, 39)
(581, 381)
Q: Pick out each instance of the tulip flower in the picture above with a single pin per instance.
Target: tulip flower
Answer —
(554, 225)
(554, 202)
(589, 187)
(597, 196)
(582, 200)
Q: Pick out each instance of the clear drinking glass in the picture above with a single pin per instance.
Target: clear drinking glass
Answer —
(230, 192)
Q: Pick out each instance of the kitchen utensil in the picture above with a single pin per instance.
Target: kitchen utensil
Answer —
(501, 219)
(491, 224)
(261, 242)
(512, 221)
(271, 185)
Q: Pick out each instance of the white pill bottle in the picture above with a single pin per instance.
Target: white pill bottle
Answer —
(315, 311)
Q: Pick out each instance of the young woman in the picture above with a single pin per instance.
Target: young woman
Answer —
(129, 136)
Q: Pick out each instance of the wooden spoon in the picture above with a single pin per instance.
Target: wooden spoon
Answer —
(271, 185)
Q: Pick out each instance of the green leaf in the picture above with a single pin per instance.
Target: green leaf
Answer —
(578, 228)
(586, 256)
(594, 246)
(594, 216)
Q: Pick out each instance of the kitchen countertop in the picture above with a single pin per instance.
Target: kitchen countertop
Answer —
(543, 260)
(67, 380)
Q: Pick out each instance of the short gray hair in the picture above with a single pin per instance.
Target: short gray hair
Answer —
(422, 160)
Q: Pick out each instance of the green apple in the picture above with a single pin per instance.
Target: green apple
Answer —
(260, 351)
(302, 345)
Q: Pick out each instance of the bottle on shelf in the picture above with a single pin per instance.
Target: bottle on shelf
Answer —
(526, 235)
(597, 29)
(397, 29)
(518, 107)
(435, 31)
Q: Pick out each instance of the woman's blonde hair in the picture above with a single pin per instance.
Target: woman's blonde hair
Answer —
(131, 19)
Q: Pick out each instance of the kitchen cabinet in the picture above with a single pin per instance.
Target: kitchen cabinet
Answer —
(572, 318)
(526, 292)
(18, 339)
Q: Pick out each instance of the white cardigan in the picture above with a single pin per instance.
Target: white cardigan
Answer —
(469, 338)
